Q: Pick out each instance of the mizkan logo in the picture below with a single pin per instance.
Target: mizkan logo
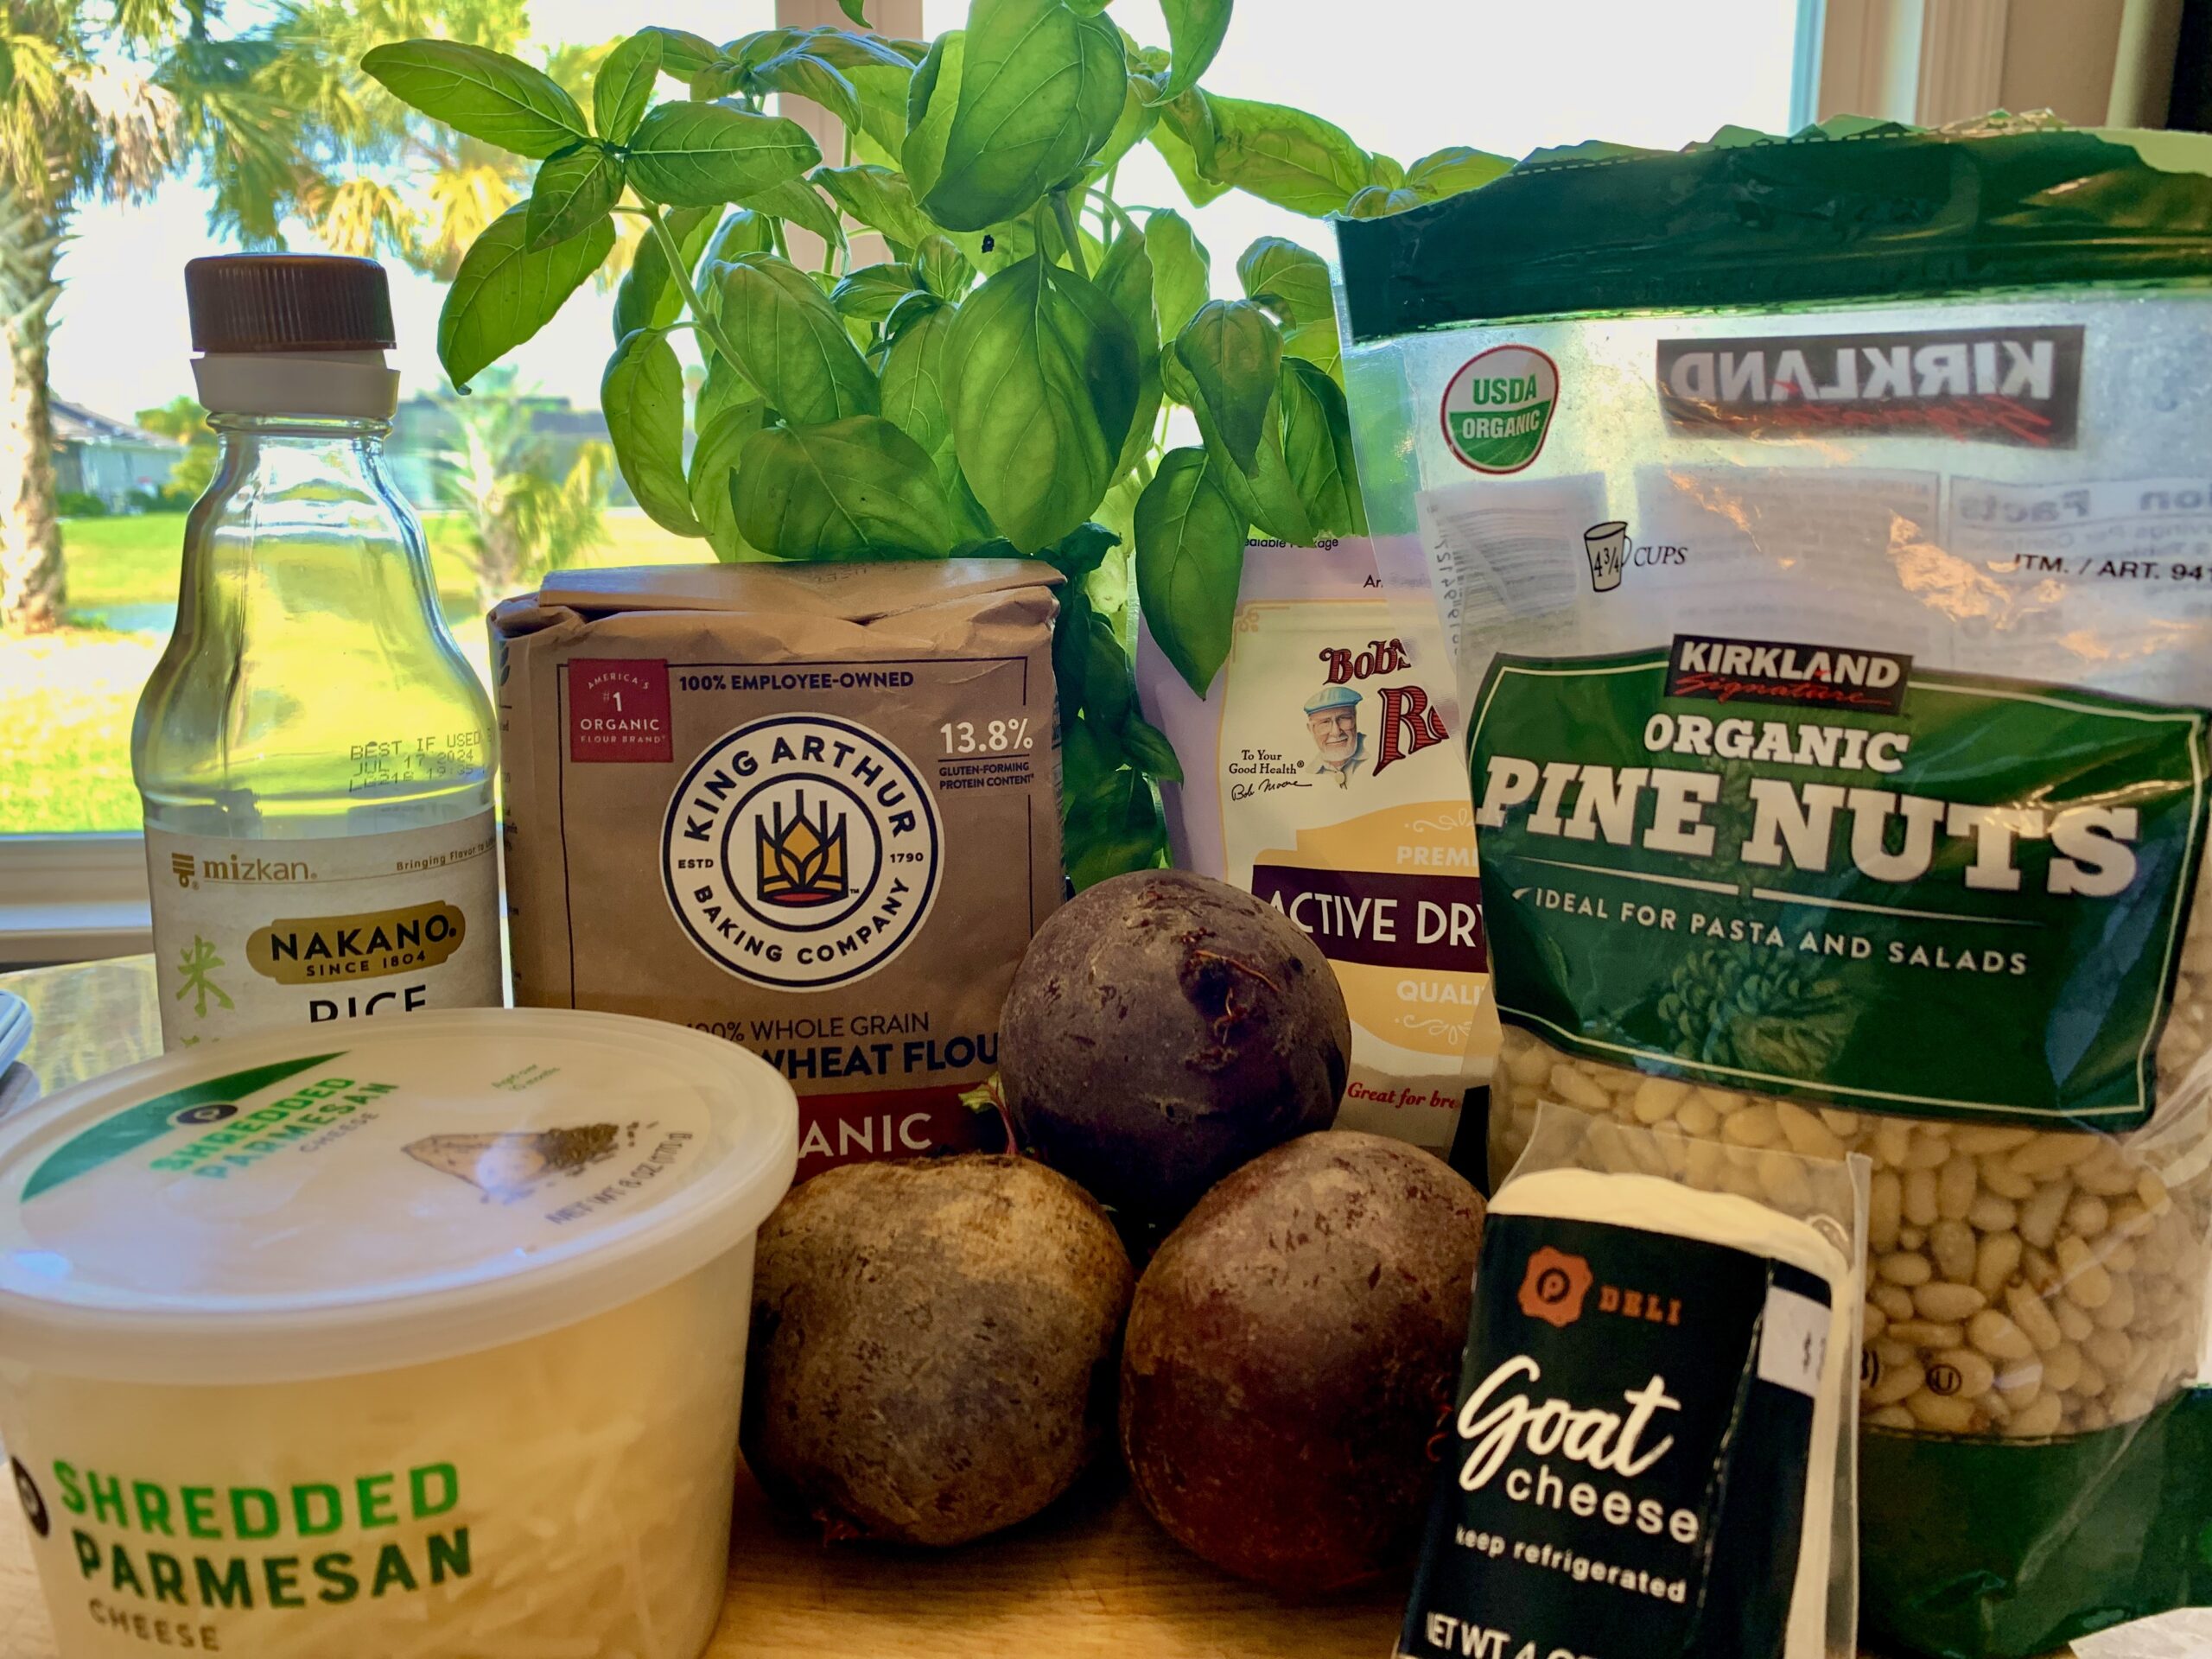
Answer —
(1763, 670)
(1996, 386)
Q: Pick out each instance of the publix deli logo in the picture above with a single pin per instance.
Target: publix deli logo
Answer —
(1996, 386)
(1497, 409)
(801, 852)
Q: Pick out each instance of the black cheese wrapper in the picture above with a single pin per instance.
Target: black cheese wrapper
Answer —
(1626, 1474)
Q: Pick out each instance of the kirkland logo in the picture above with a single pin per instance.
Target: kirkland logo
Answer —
(1760, 671)
(1996, 386)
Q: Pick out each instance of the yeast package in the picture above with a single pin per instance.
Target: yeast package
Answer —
(1823, 535)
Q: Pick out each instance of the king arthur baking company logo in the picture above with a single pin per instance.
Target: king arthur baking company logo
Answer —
(802, 852)
(1498, 407)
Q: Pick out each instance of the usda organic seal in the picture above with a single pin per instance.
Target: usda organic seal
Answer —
(801, 852)
(1498, 407)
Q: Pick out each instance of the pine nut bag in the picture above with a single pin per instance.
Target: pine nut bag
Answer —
(1823, 533)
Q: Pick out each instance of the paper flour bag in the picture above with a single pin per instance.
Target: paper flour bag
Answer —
(1322, 773)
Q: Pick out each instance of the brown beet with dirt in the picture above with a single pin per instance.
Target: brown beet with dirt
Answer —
(1291, 1349)
(1163, 1029)
(932, 1347)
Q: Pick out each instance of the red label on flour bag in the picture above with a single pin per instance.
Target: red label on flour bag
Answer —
(619, 711)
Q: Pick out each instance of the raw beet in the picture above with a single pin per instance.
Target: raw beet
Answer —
(1163, 1029)
(1290, 1350)
(932, 1347)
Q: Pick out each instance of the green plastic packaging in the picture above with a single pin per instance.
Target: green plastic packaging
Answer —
(1821, 530)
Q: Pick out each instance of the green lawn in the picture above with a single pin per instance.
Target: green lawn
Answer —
(72, 691)
(133, 561)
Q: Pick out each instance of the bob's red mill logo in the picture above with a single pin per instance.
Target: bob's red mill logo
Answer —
(1996, 385)
(1557, 1289)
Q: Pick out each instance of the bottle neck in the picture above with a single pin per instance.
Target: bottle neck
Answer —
(314, 431)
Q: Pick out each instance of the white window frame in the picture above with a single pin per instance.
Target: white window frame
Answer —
(70, 898)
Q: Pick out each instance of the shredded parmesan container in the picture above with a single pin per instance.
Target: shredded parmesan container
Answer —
(424, 1343)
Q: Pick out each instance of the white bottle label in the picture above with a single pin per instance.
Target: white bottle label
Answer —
(250, 934)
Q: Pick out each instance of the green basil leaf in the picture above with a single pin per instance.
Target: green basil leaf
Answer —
(1182, 280)
(1316, 343)
(741, 230)
(623, 89)
(642, 392)
(486, 94)
(684, 53)
(843, 49)
(1149, 751)
(800, 203)
(942, 268)
(790, 342)
(1190, 561)
(648, 296)
(991, 251)
(1291, 281)
(1038, 90)
(712, 480)
(1088, 755)
(1383, 170)
(723, 388)
(933, 101)
(802, 74)
(854, 9)
(503, 294)
(910, 309)
(1264, 494)
(878, 198)
(1377, 200)
(1082, 550)
(858, 488)
(1044, 383)
(1234, 353)
(1286, 156)
(1447, 172)
(1125, 277)
(882, 89)
(1183, 136)
(1071, 652)
(1313, 418)
(573, 191)
(1108, 698)
(702, 155)
(871, 291)
(1139, 115)
(1111, 828)
(915, 376)
(1195, 28)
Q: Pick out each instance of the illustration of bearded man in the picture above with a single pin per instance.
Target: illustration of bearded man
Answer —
(1332, 716)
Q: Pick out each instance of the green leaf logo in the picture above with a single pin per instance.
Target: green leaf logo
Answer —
(1499, 406)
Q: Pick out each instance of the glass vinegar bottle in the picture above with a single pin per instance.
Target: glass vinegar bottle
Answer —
(314, 755)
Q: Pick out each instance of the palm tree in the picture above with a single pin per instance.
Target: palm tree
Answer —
(105, 98)
(521, 521)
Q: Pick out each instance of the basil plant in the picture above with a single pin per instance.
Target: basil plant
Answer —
(1001, 386)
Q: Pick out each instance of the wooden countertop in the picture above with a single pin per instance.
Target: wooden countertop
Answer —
(1092, 1579)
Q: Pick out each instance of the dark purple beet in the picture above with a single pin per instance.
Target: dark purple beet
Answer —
(1165, 1029)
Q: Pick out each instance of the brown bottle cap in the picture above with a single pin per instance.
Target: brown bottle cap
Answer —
(287, 302)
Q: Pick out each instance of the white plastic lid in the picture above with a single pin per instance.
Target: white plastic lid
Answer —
(296, 1203)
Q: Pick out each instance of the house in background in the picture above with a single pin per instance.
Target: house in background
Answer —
(95, 455)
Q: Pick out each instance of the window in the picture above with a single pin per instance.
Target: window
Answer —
(1403, 77)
